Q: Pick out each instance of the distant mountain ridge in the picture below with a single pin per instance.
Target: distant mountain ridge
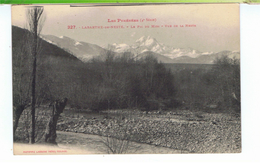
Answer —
(147, 43)
(174, 55)
(207, 59)
(143, 46)
(82, 50)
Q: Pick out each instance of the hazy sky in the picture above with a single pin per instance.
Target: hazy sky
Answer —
(217, 25)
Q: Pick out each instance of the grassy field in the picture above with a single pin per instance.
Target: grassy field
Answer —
(181, 130)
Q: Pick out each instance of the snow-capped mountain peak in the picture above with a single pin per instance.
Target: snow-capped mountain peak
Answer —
(149, 44)
(146, 41)
(77, 43)
(119, 48)
(142, 39)
(207, 53)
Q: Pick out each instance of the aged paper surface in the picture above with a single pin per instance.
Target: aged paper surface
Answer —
(158, 79)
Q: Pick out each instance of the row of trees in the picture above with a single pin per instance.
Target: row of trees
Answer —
(217, 87)
(127, 82)
(227, 80)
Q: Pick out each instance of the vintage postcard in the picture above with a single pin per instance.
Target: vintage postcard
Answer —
(149, 79)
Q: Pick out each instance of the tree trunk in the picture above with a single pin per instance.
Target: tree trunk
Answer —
(18, 110)
(34, 53)
(50, 132)
(32, 125)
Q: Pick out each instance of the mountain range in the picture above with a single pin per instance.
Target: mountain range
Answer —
(82, 50)
(142, 47)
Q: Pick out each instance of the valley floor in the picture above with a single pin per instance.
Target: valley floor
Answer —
(162, 132)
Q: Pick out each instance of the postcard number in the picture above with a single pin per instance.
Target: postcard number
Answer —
(71, 26)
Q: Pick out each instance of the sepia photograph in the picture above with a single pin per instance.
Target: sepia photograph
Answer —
(128, 79)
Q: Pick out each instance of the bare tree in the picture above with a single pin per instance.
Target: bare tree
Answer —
(117, 137)
(35, 23)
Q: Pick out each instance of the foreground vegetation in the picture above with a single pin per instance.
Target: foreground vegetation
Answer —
(184, 130)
